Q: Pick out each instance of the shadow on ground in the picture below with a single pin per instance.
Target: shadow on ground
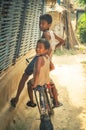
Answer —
(23, 118)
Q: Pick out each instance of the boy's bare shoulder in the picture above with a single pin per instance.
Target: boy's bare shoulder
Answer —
(40, 57)
(47, 35)
(40, 60)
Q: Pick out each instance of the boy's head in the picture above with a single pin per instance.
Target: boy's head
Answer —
(42, 46)
(45, 22)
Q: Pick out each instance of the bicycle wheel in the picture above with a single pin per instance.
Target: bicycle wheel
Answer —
(46, 123)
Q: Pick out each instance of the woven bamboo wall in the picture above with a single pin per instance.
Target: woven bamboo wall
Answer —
(19, 29)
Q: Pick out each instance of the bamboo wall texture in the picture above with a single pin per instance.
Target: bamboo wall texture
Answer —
(19, 29)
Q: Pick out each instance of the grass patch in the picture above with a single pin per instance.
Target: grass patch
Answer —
(64, 51)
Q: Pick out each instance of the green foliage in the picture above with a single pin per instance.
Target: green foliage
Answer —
(82, 28)
(82, 1)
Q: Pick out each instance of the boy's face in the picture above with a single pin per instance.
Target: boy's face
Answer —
(44, 25)
(40, 49)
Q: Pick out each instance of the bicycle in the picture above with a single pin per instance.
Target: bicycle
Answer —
(45, 105)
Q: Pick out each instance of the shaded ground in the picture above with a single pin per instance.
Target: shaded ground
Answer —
(70, 79)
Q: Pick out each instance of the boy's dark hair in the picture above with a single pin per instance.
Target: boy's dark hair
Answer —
(45, 42)
(46, 17)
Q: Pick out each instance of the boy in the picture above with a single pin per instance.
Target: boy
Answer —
(45, 23)
(41, 68)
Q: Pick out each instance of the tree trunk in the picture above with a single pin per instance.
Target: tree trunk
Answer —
(71, 38)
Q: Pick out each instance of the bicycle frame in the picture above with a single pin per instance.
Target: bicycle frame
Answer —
(44, 102)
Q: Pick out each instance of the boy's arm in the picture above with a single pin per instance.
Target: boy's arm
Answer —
(39, 63)
(61, 41)
(52, 67)
(47, 36)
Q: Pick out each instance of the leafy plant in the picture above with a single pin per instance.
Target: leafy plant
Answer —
(82, 28)
(82, 1)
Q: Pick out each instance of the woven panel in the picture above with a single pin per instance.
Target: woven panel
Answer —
(10, 21)
(31, 32)
(19, 29)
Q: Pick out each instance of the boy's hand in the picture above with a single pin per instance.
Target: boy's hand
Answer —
(60, 44)
(34, 86)
(52, 67)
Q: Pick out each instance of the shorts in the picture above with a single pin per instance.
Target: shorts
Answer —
(30, 67)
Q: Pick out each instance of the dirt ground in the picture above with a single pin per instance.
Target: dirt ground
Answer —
(71, 83)
(70, 79)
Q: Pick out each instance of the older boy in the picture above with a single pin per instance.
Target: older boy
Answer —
(45, 24)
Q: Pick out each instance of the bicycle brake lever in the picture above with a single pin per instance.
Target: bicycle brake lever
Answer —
(27, 60)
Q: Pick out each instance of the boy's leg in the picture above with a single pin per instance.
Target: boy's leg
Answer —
(30, 94)
(55, 96)
(20, 88)
(28, 72)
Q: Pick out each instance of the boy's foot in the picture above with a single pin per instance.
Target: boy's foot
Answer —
(13, 102)
(30, 104)
(58, 104)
